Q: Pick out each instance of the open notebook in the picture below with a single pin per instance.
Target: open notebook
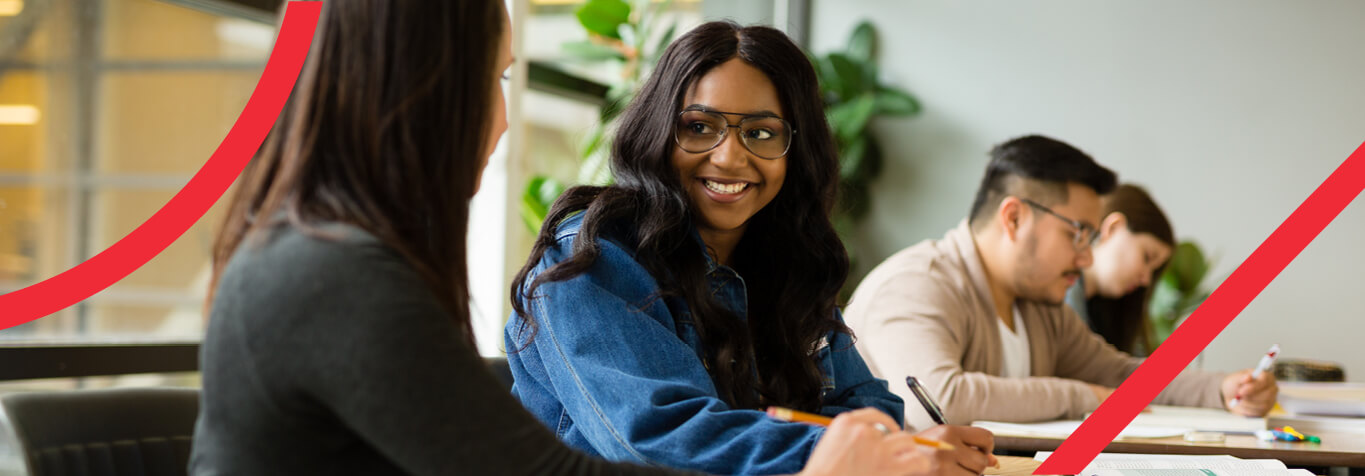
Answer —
(1118, 464)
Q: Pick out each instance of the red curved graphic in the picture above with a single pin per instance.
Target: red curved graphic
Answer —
(1250, 278)
(195, 198)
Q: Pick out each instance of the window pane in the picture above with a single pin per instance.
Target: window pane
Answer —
(183, 266)
(35, 231)
(31, 27)
(167, 122)
(35, 243)
(148, 30)
(119, 103)
(113, 315)
(25, 121)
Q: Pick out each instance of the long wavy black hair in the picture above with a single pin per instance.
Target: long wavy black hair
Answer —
(790, 256)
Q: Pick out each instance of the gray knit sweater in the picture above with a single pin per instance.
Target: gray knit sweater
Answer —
(331, 356)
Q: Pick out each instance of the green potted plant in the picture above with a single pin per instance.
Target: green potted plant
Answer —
(618, 35)
(1177, 293)
(853, 97)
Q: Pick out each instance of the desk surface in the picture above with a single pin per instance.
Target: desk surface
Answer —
(1014, 466)
(1337, 449)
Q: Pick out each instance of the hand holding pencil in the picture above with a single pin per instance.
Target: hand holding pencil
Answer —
(919, 453)
(854, 445)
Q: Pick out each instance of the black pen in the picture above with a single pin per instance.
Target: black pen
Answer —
(923, 397)
(937, 414)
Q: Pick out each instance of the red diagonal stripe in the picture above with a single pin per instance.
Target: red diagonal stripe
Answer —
(195, 198)
(1211, 317)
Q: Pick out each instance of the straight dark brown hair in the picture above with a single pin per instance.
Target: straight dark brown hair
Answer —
(385, 130)
(1122, 320)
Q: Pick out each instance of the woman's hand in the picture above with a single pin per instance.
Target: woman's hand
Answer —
(855, 444)
(1258, 395)
(972, 452)
(867, 442)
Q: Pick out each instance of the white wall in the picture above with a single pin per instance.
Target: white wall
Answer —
(1230, 111)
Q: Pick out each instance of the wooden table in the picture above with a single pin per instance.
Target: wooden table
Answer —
(1014, 466)
(1337, 449)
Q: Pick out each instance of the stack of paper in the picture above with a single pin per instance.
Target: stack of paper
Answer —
(1322, 407)
(1158, 422)
(1200, 419)
(1330, 399)
(1115, 464)
(1064, 428)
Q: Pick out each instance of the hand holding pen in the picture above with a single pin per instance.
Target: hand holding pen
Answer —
(1253, 391)
(978, 439)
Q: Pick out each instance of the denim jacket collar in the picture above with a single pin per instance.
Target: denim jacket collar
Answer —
(571, 224)
(711, 263)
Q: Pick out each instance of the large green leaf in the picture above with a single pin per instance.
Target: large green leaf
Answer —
(549, 191)
(541, 192)
(862, 44)
(852, 82)
(1188, 266)
(1165, 299)
(1192, 302)
(596, 167)
(1178, 291)
(589, 51)
(870, 75)
(896, 102)
(851, 117)
(851, 157)
(604, 17)
(831, 86)
(618, 97)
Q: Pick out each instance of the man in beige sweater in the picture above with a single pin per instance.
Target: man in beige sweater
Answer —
(978, 316)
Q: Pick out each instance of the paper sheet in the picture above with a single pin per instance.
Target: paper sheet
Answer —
(1121, 464)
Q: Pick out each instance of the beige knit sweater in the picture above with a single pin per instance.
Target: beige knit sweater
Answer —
(927, 311)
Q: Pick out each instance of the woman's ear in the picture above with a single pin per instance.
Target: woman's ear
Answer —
(1111, 224)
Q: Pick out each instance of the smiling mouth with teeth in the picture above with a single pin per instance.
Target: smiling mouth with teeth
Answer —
(728, 189)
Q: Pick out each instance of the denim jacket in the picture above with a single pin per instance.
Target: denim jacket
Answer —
(618, 373)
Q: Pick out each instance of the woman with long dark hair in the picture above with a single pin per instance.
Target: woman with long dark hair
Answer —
(657, 317)
(339, 334)
(1135, 243)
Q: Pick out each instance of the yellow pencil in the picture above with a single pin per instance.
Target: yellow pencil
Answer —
(787, 414)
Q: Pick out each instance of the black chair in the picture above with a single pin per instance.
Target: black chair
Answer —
(500, 369)
(127, 431)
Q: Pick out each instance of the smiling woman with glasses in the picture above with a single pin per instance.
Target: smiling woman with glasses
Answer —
(658, 317)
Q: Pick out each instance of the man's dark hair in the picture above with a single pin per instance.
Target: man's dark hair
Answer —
(1037, 168)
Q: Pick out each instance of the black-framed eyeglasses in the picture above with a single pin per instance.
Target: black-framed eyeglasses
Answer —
(1084, 235)
(700, 130)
